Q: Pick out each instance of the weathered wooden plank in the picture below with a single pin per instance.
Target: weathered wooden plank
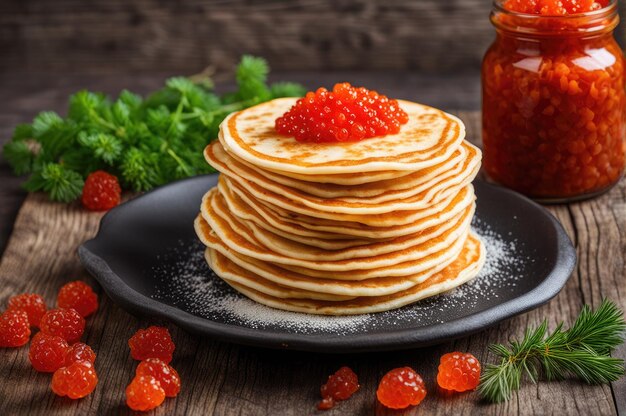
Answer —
(102, 36)
(185, 36)
(228, 379)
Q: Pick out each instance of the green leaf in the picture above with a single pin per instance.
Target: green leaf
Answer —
(140, 170)
(23, 132)
(61, 184)
(252, 67)
(132, 101)
(158, 119)
(53, 133)
(104, 146)
(146, 142)
(19, 156)
(251, 77)
(181, 84)
(84, 105)
(44, 122)
(287, 89)
(82, 160)
(120, 112)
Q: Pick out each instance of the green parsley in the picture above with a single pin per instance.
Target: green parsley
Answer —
(144, 142)
(582, 351)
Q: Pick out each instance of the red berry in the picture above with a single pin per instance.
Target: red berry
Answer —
(66, 323)
(163, 372)
(79, 352)
(14, 328)
(32, 304)
(75, 381)
(152, 342)
(101, 191)
(78, 295)
(144, 393)
(345, 114)
(47, 352)
(340, 386)
(458, 371)
(401, 388)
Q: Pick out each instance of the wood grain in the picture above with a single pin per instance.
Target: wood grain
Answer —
(102, 36)
(227, 379)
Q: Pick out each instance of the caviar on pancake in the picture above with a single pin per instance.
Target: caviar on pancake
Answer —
(344, 114)
(553, 98)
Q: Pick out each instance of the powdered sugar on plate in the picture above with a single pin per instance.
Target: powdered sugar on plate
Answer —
(186, 282)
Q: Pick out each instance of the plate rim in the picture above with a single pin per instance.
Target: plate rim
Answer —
(138, 303)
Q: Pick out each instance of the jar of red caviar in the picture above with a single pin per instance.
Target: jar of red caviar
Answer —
(554, 103)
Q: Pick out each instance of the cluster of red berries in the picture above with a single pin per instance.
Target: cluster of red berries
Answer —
(101, 191)
(154, 378)
(403, 387)
(344, 114)
(55, 348)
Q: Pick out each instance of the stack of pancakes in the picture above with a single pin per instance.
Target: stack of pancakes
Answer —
(341, 228)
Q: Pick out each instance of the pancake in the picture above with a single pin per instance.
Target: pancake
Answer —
(356, 200)
(356, 211)
(215, 205)
(402, 223)
(341, 228)
(428, 138)
(345, 179)
(406, 270)
(465, 267)
(216, 156)
(338, 289)
(250, 246)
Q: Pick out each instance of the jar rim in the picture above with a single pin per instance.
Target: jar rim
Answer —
(594, 21)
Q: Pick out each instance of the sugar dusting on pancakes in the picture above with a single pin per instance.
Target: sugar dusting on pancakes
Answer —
(185, 281)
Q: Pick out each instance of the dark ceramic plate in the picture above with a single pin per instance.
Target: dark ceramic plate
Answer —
(147, 258)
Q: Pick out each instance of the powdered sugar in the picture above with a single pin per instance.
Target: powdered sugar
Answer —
(184, 280)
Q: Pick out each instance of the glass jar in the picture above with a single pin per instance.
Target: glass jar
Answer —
(554, 104)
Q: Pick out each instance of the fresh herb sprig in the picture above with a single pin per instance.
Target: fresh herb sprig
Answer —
(582, 351)
(145, 142)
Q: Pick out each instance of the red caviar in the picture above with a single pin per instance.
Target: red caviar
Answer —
(152, 342)
(75, 381)
(458, 371)
(31, 303)
(554, 101)
(344, 114)
(340, 386)
(400, 388)
(554, 7)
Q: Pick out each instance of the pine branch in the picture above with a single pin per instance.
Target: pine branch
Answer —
(582, 352)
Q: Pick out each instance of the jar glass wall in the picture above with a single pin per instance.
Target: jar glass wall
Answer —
(554, 104)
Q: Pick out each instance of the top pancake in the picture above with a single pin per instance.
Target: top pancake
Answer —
(429, 138)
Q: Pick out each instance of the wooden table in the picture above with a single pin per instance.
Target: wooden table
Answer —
(227, 379)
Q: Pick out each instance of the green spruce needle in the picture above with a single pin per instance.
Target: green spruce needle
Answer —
(583, 351)
(144, 142)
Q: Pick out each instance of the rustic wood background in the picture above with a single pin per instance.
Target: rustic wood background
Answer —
(426, 50)
(112, 36)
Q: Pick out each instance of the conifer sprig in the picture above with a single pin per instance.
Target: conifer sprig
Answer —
(582, 351)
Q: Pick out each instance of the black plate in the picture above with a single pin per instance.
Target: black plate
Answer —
(147, 258)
